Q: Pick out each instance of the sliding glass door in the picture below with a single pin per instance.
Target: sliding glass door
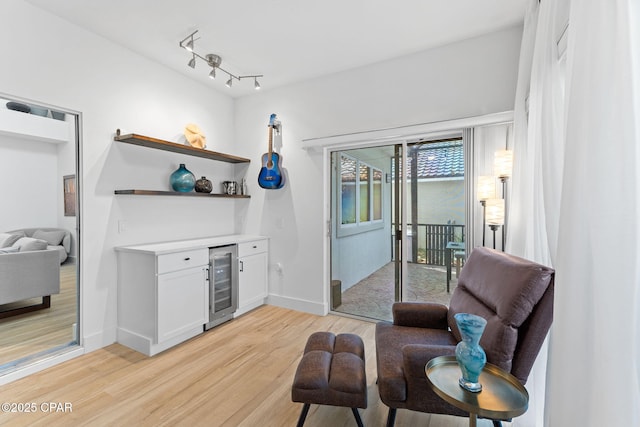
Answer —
(376, 197)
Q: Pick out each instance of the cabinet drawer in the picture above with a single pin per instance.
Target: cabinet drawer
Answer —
(181, 260)
(250, 248)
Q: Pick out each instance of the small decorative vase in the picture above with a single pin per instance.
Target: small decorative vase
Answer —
(203, 185)
(182, 180)
(470, 356)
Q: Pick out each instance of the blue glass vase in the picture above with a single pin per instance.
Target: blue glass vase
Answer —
(470, 356)
(182, 180)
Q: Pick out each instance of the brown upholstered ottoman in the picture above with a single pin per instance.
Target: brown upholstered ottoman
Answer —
(331, 372)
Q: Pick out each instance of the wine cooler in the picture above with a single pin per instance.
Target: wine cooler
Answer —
(223, 284)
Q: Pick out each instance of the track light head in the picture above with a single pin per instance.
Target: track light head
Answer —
(192, 62)
(256, 85)
(212, 74)
(229, 82)
(189, 45)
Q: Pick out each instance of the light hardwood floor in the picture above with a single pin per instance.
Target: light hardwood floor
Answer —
(40, 330)
(238, 374)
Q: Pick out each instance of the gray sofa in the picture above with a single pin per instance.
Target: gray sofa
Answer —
(29, 274)
(57, 239)
(28, 269)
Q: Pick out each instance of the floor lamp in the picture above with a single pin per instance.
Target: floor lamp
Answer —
(503, 168)
(486, 190)
(495, 217)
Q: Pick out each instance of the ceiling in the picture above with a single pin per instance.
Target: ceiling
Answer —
(286, 40)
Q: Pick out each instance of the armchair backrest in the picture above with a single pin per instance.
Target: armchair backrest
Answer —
(515, 296)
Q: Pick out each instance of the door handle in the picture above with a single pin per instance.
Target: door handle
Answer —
(241, 266)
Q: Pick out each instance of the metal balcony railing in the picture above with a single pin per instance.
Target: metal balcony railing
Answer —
(430, 243)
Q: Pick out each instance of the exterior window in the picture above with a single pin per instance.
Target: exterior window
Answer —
(360, 194)
(348, 189)
(377, 194)
(365, 191)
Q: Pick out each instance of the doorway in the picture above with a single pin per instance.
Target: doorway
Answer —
(376, 192)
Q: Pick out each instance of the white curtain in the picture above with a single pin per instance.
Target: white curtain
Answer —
(593, 376)
(538, 153)
(575, 205)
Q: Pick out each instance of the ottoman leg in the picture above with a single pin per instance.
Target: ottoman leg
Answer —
(357, 415)
(391, 418)
(303, 414)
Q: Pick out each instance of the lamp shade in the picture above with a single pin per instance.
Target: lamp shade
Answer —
(486, 187)
(503, 163)
(495, 211)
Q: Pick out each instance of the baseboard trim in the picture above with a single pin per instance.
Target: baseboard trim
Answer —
(298, 304)
(99, 339)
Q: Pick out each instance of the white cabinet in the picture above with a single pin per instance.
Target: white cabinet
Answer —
(182, 299)
(252, 280)
(163, 288)
(162, 299)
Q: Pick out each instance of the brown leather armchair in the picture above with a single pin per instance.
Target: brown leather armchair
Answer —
(514, 295)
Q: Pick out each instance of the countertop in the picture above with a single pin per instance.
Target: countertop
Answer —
(160, 248)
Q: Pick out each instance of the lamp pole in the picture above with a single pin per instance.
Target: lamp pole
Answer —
(494, 227)
(504, 179)
(484, 219)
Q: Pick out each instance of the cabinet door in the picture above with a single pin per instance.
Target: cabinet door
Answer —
(182, 297)
(252, 281)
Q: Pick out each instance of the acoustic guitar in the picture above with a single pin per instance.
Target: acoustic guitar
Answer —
(270, 176)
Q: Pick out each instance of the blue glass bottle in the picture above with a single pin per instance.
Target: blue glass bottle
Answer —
(470, 356)
(182, 180)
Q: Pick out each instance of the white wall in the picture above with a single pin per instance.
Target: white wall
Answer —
(67, 166)
(63, 65)
(465, 79)
(30, 186)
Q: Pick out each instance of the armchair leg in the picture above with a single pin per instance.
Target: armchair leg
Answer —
(391, 418)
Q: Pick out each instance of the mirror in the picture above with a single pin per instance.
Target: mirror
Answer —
(39, 251)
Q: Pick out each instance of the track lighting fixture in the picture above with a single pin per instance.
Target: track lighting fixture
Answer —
(214, 62)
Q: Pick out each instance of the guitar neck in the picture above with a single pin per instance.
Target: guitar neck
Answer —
(270, 140)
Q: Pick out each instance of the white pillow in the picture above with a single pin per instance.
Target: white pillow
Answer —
(30, 244)
(9, 250)
(54, 238)
(7, 240)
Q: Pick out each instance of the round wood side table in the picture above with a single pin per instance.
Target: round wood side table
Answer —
(502, 396)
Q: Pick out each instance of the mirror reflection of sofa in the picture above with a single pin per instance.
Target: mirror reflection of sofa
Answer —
(30, 266)
(57, 239)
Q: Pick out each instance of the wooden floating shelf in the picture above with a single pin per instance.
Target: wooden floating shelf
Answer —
(146, 141)
(176, 193)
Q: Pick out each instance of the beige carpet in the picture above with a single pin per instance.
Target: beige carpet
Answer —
(373, 296)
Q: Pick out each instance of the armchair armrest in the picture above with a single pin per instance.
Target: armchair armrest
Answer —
(416, 356)
(420, 315)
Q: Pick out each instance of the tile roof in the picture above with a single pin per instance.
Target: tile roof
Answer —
(439, 160)
(435, 160)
